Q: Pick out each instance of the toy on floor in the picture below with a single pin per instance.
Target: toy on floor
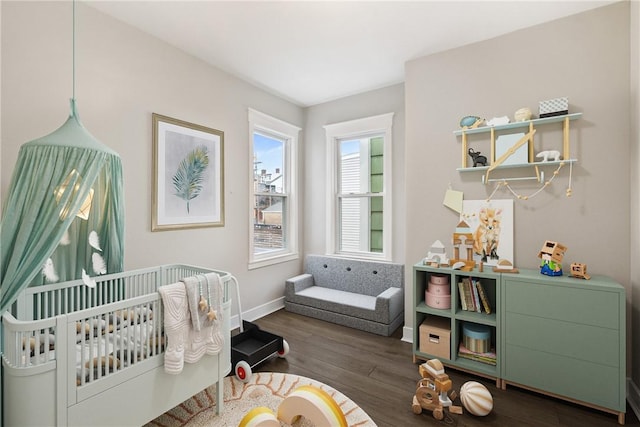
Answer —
(476, 398)
(308, 401)
(551, 255)
(431, 392)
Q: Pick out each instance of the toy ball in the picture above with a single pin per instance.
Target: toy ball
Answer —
(476, 398)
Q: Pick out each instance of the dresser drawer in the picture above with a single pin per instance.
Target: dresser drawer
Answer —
(580, 342)
(565, 376)
(577, 304)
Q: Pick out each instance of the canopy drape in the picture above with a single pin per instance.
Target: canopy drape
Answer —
(64, 215)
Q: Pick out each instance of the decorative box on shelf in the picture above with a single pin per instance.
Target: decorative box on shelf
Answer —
(554, 107)
(438, 293)
(475, 337)
(435, 337)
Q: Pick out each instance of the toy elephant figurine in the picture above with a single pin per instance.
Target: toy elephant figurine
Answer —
(477, 158)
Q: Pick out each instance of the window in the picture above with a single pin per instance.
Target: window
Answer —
(359, 199)
(273, 206)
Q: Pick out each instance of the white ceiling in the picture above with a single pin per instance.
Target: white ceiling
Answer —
(311, 52)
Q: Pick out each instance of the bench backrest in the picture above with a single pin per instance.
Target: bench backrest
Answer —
(359, 276)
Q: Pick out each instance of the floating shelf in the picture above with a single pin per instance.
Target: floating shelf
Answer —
(518, 125)
(522, 165)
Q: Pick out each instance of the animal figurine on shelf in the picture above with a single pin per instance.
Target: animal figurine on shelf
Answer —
(471, 122)
(497, 121)
(486, 237)
(432, 390)
(549, 154)
(478, 159)
(523, 114)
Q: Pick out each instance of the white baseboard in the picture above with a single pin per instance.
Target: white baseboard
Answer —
(407, 334)
(257, 312)
(633, 397)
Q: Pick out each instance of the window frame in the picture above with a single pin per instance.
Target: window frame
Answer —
(335, 133)
(270, 126)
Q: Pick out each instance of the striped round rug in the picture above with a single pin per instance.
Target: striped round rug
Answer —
(263, 389)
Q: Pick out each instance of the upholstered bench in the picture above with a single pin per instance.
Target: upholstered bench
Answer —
(367, 295)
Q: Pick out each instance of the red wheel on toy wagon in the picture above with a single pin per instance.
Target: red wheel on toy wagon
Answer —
(243, 371)
(285, 349)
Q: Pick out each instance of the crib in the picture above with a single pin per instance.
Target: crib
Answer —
(80, 356)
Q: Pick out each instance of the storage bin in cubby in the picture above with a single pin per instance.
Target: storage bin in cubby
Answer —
(435, 336)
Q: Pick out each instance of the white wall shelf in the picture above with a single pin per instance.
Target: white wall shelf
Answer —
(526, 142)
(518, 125)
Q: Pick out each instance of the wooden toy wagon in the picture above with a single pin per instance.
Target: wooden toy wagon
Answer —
(432, 388)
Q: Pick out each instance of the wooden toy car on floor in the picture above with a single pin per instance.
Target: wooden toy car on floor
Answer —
(431, 392)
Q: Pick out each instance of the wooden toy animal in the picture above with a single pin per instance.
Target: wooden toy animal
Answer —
(486, 237)
(477, 158)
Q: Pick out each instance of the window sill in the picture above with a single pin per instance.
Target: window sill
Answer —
(276, 259)
(368, 257)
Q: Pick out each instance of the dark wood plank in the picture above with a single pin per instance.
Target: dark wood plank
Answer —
(378, 374)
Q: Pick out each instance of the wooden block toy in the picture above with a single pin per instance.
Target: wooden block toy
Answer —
(315, 404)
(259, 417)
(579, 271)
(455, 409)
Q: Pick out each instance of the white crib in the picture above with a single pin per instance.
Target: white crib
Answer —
(79, 356)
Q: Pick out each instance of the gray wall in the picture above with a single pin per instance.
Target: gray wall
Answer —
(584, 57)
(386, 100)
(122, 76)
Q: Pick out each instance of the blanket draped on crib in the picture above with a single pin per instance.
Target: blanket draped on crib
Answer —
(192, 319)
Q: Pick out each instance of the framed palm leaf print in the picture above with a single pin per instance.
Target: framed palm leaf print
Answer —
(188, 175)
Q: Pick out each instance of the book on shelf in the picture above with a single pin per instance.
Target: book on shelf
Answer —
(463, 302)
(483, 297)
(468, 294)
(476, 298)
(473, 296)
(488, 358)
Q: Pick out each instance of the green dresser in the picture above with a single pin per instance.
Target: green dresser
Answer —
(561, 336)
(565, 337)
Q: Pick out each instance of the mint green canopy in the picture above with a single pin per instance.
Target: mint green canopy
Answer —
(64, 215)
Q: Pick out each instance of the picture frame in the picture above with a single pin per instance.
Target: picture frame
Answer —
(188, 175)
(500, 213)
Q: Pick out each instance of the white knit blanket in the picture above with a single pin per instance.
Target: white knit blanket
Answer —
(184, 342)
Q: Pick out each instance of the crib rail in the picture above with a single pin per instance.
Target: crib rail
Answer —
(42, 302)
(100, 331)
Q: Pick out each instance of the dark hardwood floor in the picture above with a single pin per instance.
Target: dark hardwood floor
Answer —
(378, 374)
